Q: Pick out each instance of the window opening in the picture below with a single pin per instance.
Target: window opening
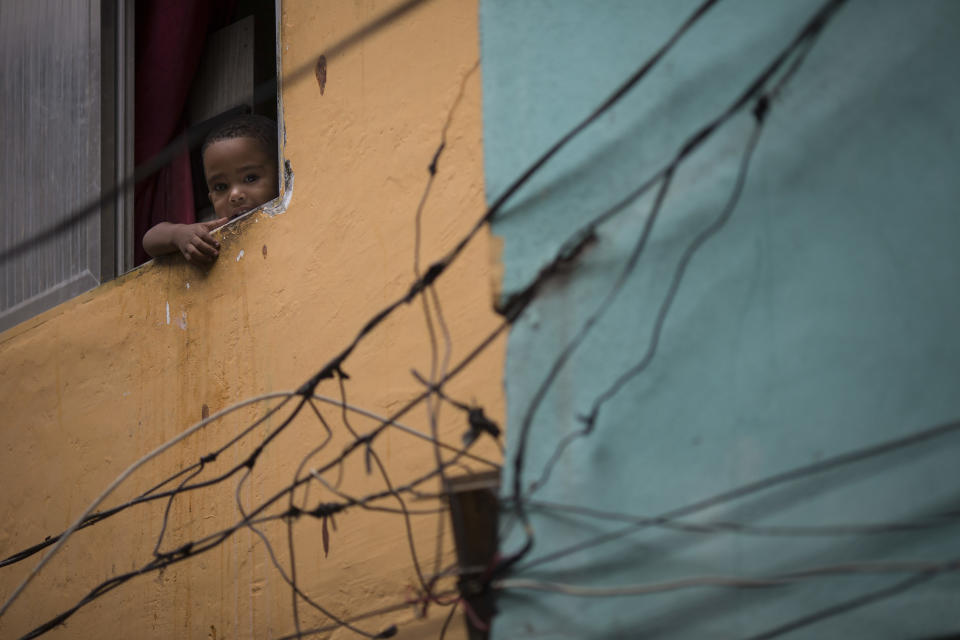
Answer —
(231, 49)
(60, 239)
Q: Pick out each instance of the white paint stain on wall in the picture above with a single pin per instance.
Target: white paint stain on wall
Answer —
(239, 255)
(168, 312)
(182, 320)
(188, 285)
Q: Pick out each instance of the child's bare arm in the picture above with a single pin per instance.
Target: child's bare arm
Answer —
(193, 241)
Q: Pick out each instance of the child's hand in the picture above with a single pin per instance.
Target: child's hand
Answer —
(195, 242)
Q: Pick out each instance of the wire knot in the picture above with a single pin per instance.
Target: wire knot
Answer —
(762, 108)
(252, 460)
(326, 509)
(479, 424)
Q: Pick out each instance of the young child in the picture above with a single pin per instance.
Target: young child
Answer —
(240, 168)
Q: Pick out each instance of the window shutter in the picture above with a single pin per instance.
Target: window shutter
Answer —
(50, 157)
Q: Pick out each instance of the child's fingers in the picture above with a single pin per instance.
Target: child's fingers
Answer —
(208, 239)
(213, 224)
(206, 246)
(195, 256)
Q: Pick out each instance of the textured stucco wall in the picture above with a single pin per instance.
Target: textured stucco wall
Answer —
(822, 318)
(94, 384)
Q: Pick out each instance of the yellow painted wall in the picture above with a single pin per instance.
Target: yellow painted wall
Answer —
(92, 385)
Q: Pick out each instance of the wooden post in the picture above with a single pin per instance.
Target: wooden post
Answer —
(473, 511)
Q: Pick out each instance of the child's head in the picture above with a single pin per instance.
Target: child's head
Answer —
(240, 165)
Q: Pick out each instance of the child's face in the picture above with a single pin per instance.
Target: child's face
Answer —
(241, 175)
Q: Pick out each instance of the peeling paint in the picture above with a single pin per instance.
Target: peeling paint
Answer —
(188, 284)
(239, 255)
(321, 73)
(280, 205)
(168, 312)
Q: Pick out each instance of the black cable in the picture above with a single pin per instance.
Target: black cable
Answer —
(723, 526)
(855, 603)
(753, 94)
(758, 95)
(763, 484)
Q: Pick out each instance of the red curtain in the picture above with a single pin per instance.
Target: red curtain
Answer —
(170, 38)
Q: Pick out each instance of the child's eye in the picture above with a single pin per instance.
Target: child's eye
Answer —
(251, 178)
(220, 186)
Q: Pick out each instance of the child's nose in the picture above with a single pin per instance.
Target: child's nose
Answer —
(236, 194)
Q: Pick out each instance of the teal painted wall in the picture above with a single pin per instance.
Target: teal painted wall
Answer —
(822, 318)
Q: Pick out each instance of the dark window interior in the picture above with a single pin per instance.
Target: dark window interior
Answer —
(194, 62)
(264, 69)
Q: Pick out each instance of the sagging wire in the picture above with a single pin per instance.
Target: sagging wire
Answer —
(934, 521)
(757, 96)
(862, 600)
(732, 582)
(763, 484)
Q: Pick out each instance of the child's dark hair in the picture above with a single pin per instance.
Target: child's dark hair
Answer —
(260, 128)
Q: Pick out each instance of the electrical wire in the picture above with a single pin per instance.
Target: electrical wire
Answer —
(292, 501)
(733, 582)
